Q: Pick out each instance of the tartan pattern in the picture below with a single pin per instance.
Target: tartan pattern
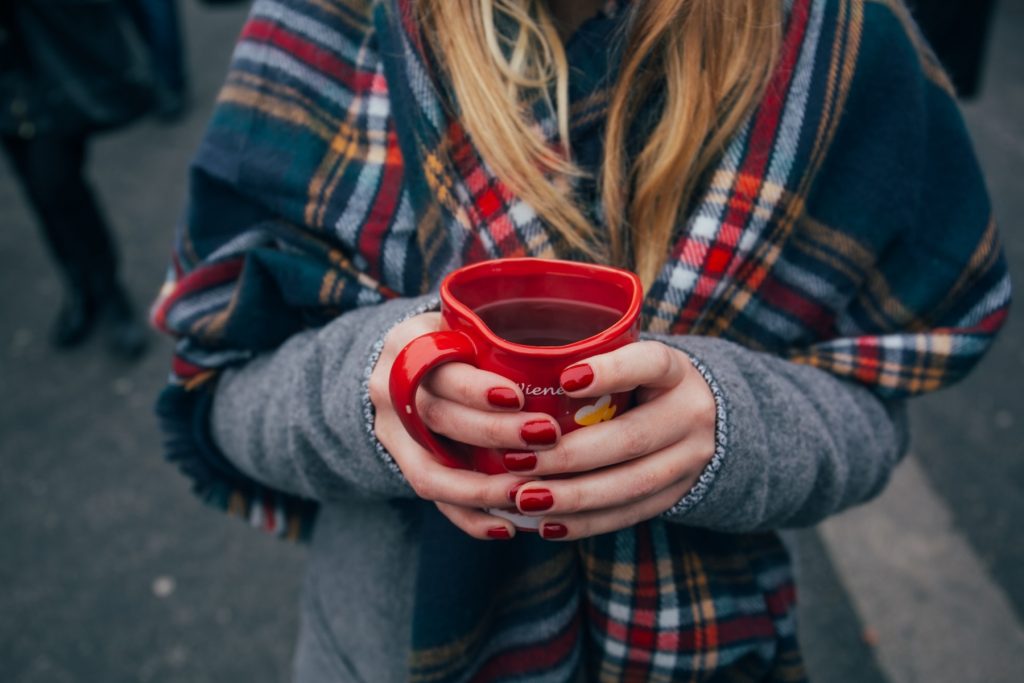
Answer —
(332, 176)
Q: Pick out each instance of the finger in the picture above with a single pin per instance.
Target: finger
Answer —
(648, 428)
(572, 527)
(614, 487)
(645, 363)
(404, 332)
(470, 386)
(433, 481)
(478, 523)
(502, 431)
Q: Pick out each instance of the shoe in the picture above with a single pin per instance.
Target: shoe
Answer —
(125, 335)
(75, 320)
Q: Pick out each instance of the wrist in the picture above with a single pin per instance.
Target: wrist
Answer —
(718, 422)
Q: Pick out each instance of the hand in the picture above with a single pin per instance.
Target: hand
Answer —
(636, 466)
(454, 401)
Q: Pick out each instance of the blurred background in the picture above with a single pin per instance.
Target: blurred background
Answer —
(111, 570)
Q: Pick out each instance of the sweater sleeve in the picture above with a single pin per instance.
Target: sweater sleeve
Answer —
(298, 419)
(794, 444)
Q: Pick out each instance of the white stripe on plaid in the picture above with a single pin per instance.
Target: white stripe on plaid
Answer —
(314, 29)
(253, 56)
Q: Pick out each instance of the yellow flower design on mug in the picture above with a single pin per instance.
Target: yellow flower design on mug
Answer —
(599, 412)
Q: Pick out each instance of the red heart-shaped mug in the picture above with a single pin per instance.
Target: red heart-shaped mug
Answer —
(526, 319)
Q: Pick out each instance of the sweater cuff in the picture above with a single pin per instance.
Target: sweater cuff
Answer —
(369, 411)
(707, 478)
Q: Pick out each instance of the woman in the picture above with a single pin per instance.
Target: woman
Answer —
(792, 182)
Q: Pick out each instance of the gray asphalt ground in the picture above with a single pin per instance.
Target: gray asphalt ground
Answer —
(111, 571)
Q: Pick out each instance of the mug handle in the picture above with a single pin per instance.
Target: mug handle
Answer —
(412, 364)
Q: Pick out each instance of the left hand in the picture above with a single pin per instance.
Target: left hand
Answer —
(636, 466)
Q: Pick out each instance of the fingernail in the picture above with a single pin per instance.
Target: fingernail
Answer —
(514, 490)
(499, 532)
(539, 433)
(520, 462)
(536, 500)
(553, 530)
(577, 377)
(503, 397)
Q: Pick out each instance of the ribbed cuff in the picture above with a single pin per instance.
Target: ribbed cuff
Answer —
(369, 412)
(696, 494)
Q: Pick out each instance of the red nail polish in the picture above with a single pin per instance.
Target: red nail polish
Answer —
(514, 490)
(539, 433)
(499, 532)
(553, 530)
(503, 397)
(536, 500)
(520, 462)
(577, 377)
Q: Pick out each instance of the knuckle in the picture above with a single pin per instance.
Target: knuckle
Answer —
(449, 381)
(556, 459)
(643, 486)
(381, 435)
(635, 515)
(494, 431)
(662, 358)
(394, 338)
(707, 410)
(705, 402)
(421, 484)
(378, 389)
(617, 364)
(571, 499)
(636, 441)
(432, 412)
(581, 528)
(464, 390)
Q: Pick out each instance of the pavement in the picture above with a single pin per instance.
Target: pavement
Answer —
(111, 571)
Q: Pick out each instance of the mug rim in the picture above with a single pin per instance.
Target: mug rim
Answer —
(524, 266)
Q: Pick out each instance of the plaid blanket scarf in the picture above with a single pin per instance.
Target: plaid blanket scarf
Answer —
(846, 226)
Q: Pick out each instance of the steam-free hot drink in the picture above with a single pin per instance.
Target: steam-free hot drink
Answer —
(546, 322)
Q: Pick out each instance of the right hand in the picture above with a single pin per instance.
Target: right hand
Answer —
(453, 401)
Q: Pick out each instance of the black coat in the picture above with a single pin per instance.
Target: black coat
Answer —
(70, 66)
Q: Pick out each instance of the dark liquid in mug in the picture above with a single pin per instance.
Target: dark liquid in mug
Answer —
(546, 322)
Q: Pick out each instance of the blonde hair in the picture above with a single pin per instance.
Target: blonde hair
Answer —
(711, 58)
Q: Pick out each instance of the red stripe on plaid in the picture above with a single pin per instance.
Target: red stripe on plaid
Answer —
(738, 630)
(183, 369)
(991, 323)
(206, 277)
(641, 636)
(689, 640)
(263, 31)
(534, 659)
(382, 212)
(751, 175)
(489, 203)
(869, 360)
(491, 199)
(810, 313)
(782, 600)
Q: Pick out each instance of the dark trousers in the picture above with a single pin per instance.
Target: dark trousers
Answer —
(51, 170)
(161, 29)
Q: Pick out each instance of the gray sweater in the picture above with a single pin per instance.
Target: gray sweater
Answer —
(795, 445)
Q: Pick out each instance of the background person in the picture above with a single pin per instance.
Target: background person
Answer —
(69, 70)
